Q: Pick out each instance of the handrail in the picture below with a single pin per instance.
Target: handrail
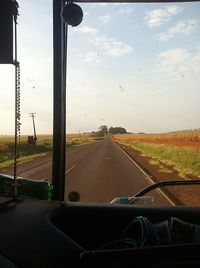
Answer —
(132, 199)
(166, 183)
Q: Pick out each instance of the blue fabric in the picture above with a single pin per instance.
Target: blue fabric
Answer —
(142, 233)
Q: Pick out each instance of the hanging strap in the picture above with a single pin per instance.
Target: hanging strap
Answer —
(17, 105)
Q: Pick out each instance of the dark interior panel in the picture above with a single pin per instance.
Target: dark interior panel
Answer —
(92, 225)
(6, 32)
(38, 233)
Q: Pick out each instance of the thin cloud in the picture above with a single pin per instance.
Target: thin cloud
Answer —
(157, 17)
(87, 30)
(92, 57)
(126, 10)
(196, 61)
(106, 18)
(174, 56)
(106, 46)
(112, 47)
(179, 61)
(184, 27)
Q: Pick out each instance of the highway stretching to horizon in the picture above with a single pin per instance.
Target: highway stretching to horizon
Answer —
(99, 171)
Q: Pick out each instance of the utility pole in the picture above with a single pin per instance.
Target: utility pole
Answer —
(33, 116)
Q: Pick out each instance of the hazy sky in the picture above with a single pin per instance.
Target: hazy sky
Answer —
(130, 65)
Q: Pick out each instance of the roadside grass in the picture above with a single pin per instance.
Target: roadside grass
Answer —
(77, 142)
(20, 160)
(79, 139)
(162, 168)
(185, 160)
(27, 152)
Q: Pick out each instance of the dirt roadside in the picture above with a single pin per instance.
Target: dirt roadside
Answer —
(181, 195)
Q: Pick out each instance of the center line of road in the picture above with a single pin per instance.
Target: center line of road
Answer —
(146, 175)
(70, 169)
(80, 160)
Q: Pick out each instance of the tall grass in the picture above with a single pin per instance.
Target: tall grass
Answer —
(24, 149)
(186, 160)
(28, 152)
(192, 135)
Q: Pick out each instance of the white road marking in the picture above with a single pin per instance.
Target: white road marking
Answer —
(33, 170)
(70, 169)
(145, 175)
(82, 158)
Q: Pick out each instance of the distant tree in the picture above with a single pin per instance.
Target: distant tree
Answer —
(102, 132)
(103, 129)
(117, 130)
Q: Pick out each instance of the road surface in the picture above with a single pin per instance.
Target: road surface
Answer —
(99, 171)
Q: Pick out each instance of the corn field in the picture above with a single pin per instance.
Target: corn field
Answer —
(183, 137)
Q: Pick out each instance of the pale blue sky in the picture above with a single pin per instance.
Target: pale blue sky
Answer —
(130, 65)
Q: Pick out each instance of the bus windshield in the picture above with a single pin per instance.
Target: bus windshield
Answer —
(132, 102)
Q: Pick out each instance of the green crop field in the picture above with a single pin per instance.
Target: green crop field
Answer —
(178, 149)
(27, 152)
(185, 160)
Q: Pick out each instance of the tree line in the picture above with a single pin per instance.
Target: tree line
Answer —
(104, 130)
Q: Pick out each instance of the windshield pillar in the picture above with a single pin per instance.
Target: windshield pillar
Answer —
(59, 101)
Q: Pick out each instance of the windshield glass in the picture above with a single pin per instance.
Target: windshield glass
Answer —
(34, 136)
(133, 87)
(133, 76)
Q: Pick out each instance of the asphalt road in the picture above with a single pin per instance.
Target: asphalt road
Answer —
(99, 171)
(103, 171)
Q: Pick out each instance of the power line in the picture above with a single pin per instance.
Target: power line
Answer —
(33, 115)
